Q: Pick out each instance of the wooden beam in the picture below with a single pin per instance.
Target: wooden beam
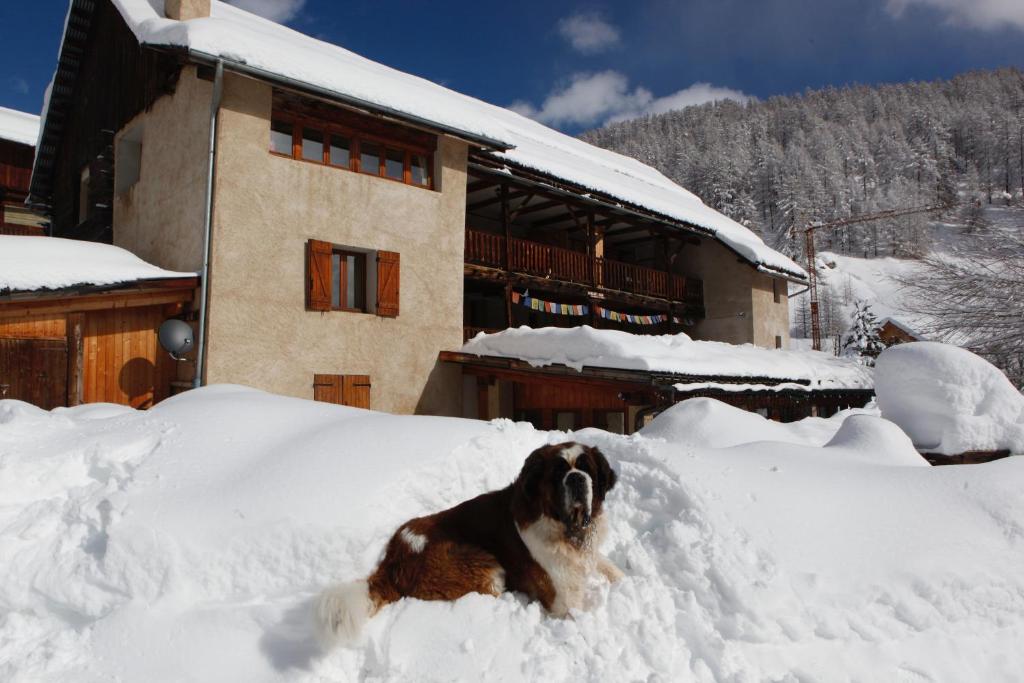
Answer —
(522, 205)
(28, 308)
(495, 200)
(553, 220)
(76, 357)
(477, 185)
(543, 206)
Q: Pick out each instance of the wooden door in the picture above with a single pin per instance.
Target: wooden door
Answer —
(35, 371)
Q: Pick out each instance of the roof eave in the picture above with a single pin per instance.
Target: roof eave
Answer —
(244, 69)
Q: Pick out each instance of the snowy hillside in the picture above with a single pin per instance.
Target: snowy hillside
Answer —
(186, 542)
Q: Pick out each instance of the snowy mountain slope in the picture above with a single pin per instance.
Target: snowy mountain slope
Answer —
(186, 542)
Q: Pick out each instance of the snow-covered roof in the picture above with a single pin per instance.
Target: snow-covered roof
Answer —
(579, 347)
(35, 263)
(262, 46)
(18, 126)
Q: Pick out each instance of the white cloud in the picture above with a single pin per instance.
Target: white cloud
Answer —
(588, 33)
(983, 14)
(698, 93)
(19, 85)
(606, 96)
(281, 11)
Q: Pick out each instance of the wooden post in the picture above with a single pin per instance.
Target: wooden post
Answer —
(76, 357)
(508, 254)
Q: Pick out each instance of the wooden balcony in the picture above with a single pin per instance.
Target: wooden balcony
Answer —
(569, 266)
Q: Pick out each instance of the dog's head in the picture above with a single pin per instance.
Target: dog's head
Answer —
(566, 482)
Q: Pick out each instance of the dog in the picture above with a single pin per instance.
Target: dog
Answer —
(538, 536)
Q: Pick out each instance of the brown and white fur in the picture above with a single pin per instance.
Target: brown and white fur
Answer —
(539, 536)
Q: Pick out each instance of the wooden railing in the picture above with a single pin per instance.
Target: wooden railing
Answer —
(470, 332)
(567, 265)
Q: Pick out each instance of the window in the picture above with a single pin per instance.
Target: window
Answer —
(613, 421)
(312, 145)
(339, 278)
(281, 137)
(348, 281)
(128, 160)
(341, 151)
(369, 157)
(777, 286)
(778, 341)
(320, 134)
(566, 420)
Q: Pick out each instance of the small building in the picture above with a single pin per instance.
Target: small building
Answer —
(893, 331)
(18, 134)
(79, 322)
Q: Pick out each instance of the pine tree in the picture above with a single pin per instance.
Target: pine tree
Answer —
(863, 338)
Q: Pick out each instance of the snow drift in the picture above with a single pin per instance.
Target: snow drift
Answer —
(188, 542)
(577, 347)
(949, 400)
(33, 263)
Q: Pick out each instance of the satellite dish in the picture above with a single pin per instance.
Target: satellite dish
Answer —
(176, 338)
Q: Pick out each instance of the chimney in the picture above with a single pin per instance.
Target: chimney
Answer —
(183, 10)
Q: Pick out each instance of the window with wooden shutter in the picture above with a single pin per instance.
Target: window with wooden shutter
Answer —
(346, 390)
(387, 283)
(318, 275)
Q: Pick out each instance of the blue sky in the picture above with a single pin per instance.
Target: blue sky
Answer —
(578, 65)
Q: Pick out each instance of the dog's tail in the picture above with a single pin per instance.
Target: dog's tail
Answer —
(341, 612)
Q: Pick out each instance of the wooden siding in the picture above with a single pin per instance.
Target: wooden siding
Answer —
(34, 370)
(46, 327)
(123, 362)
(15, 170)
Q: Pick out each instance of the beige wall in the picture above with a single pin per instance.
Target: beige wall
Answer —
(738, 301)
(770, 318)
(266, 207)
(160, 217)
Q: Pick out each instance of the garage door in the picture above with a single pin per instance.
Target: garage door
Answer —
(34, 370)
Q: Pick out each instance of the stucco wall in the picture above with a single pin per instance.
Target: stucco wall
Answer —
(770, 319)
(160, 217)
(738, 300)
(727, 300)
(267, 207)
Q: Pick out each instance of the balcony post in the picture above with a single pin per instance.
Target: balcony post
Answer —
(508, 252)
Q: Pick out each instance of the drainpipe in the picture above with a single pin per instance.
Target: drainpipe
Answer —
(218, 87)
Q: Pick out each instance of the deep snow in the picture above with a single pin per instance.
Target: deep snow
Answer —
(584, 346)
(18, 126)
(33, 263)
(186, 542)
(948, 400)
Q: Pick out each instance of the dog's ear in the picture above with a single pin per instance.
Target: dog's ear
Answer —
(527, 484)
(606, 476)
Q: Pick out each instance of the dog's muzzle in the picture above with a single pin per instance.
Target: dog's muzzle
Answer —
(578, 496)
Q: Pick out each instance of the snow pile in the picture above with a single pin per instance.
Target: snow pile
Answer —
(710, 423)
(187, 543)
(17, 126)
(949, 400)
(584, 346)
(243, 38)
(32, 263)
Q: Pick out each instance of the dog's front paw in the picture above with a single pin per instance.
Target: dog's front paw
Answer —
(609, 570)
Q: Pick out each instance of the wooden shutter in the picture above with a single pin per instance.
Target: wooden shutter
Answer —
(318, 274)
(327, 388)
(347, 390)
(387, 284)
(356, 391)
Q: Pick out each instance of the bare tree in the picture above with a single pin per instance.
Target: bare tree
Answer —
(974, 297)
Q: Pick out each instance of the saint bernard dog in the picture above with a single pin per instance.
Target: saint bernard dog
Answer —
(538, 536)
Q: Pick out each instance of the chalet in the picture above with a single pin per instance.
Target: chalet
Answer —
(894, 331)
(18, 134)
(355, 225)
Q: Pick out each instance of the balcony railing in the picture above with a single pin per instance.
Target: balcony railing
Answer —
(567, 265)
